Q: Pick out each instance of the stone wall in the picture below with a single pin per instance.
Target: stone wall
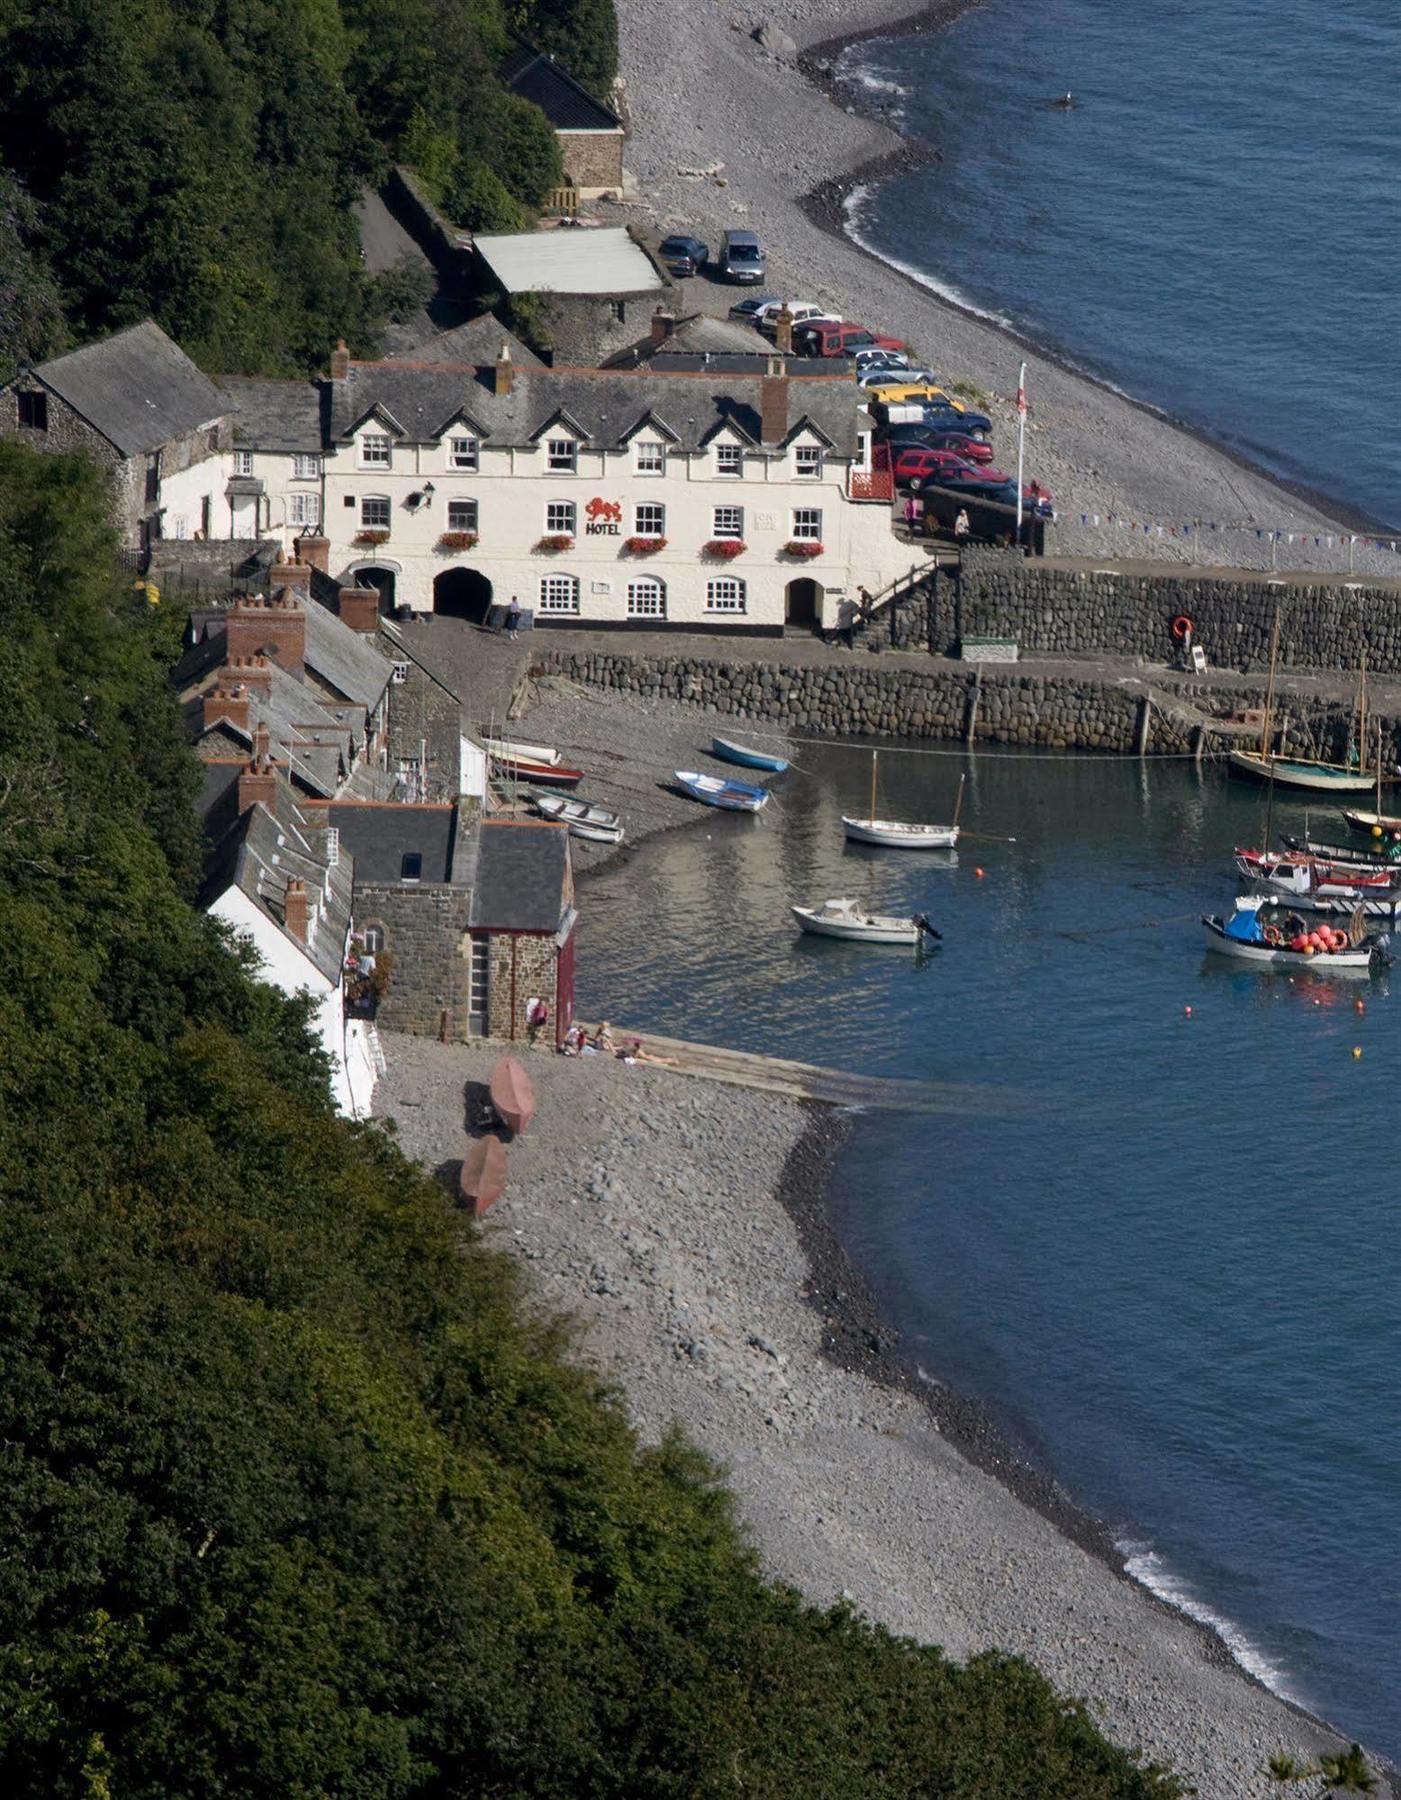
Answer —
(425, 932)
(521, 965)
(1060, 612)
(592, 159)
(421, 708)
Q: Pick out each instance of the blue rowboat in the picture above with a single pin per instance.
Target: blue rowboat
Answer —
(733, 796)
(745, 757)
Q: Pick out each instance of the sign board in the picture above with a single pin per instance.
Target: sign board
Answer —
(1199, 659)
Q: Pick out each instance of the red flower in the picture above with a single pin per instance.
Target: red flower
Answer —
(805, 547)
(726, 549)
(643, 546)
(457, 540)
(560, 540)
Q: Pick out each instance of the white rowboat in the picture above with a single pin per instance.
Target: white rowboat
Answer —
(506, 750)
(848, 919)
(599, 824)
(895, 836)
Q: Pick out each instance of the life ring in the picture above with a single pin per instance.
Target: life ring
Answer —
(1273, 935)
(1181, 627)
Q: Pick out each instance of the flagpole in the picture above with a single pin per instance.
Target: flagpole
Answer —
(1021, 445)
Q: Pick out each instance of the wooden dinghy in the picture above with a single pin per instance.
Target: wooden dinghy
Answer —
(849, 920)
(483, 1178)
(512, 1095)
(541, 774)
(1306, 776)
(599, 824)
(510, 750)
(894, 834)
(1373, 824)
(730, 796)
(745, 757)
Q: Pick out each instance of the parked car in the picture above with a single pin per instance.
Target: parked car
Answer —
(741, 257)
(684, 255)
(916, 469)
(744, 310)
(803, 311)
(880, 359)
(921, 437)
(877, 378)
(824, 338)
(953, 418)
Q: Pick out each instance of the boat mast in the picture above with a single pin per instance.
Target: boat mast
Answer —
(1361, 716)
(874, 755)
(1379, 771)
(1270, 691)
(958, 803)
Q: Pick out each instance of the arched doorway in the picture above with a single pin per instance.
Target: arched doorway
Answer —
(462, 594)
(383, 579)
(801, 600)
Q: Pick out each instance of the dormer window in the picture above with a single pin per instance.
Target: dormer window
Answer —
(651, 459)
(807, 462)
(305, 467)
(562, 455)
(463, 453)
(729, 459)
(374, 450)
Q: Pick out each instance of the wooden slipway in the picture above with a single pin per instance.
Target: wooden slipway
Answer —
(805, 1081)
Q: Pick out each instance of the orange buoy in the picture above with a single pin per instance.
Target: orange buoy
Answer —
(978, 873)
(1359, 1005)
(1187, 1011)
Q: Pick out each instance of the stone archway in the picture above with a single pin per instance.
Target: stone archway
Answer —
(802, 601)
(381, 579)
(462, 594)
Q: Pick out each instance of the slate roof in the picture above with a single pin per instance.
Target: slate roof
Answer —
(476, 340)
(137, 388)
(318, 741)
(417, 403)
(345, 660)
(522, 868)
(262, 851)
(699, 343)
(379, 836)
(280, 417)
(537, 77)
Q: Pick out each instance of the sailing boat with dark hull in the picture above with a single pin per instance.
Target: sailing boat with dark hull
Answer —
(1307, 774)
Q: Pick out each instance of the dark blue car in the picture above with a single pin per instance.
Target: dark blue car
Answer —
(684, 255)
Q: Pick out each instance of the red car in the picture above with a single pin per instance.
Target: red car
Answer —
(838, 337)
(915, 469)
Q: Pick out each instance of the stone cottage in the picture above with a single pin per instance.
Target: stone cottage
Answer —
(590, 135)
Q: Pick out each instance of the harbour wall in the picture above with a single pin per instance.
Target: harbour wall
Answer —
(978, 704)
(1092, 612)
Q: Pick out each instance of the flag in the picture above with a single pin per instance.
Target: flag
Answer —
(1021, 398)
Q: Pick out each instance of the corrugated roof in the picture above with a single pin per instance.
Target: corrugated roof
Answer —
(280, 417)
(379, 837)
(137, 388)
(582, 261)
(537, 77)
(521, 876)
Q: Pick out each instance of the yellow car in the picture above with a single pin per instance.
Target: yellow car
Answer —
(912, 393)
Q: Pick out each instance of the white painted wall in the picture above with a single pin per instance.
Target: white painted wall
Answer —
(473, 766)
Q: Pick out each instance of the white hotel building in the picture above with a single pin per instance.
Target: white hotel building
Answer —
(595, 497)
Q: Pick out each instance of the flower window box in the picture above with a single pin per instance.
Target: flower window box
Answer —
(643, 546)
(457, 540)
(556, 541)
(725, 549)
(803, 547)
(376, 536)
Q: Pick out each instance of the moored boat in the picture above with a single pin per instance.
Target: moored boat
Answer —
(731, 796)
(849, 920)
(1298, 874)
(512, 1095)
(1373, 824)
(745, 757)
(1298, 772)
(482, 1180)
(508, 750)
(1325, 950)
(894, 834)
(1366, 856)
(541, 774)
(598, 824)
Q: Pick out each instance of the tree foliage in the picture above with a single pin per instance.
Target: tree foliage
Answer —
(582, 34)
(296, 1497)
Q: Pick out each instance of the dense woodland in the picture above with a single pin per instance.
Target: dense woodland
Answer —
(295, 1498)
(197, 162)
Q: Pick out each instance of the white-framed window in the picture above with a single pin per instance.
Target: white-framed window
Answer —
(374, 450)
(729, 522)
(807, 524)
(374, 512)
(562, 454)
(243, 462)
(463, 453)
(649, 520)
(304, 509)
(724, 593)
(306, 467)
(651, 459)
(559, 593)
(729, 459)
(462, 515)
(646, 598)
(807, 461)
(182, 525)
(559, 518)
(374, 939)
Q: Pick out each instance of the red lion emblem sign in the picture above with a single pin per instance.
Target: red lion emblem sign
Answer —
(610, 510)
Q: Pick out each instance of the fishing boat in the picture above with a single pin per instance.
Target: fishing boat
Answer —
(850, 920)
(541, 774)
(1307, 774)
(745, 757)
(599, 824)
(483, 1178)
(732, 796)
(1302, 877)
(1361, 855)
(1373, 824)
(512, 1095)
(507, 750)
(1325, 950)
(892, 834)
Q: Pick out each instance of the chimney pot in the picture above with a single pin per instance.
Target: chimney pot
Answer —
(773, 404)
(315, 551)
(505, 372)
(359, 608)
(227, 701)
(257, 781)
(277, 627)
(340, 361)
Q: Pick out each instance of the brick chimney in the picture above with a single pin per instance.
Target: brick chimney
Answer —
(290, 574)
(294, 909)
(505, 372)
(359, 608)
(340, 361)
(252, 672)
(227, 702)
(257, 780)
(274, 627)
(663, 324)
(773, 404)
(783, 330)
(315, 551)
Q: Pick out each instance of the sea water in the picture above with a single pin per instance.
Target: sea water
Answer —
(1212, 227)
(1159, 1236)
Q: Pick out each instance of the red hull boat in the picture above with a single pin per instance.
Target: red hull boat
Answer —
(538, 774)
(483, 1178)
(512, 1095)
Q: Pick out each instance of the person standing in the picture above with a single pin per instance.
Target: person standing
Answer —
(847, 614)
(513, 617)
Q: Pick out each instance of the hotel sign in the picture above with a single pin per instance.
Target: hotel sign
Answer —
(604, 518)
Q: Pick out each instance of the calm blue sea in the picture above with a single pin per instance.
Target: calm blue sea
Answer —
(1213, 228)
(1174, 1267)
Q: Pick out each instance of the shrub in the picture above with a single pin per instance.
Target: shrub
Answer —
(524, 151)
(477, 198)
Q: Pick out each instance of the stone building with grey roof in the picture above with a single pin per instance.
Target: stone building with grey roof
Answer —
(590, 134)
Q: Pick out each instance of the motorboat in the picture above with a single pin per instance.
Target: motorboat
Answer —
(745, 757)
(508, 750)
(512, 1095)
(483, 1177)
(1300, 877)
(732, 796)
(1324, 950)
(893, 834)
(598, 824)
(1376, 855)
(850, 920)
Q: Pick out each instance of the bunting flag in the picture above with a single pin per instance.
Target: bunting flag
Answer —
(1341, 540)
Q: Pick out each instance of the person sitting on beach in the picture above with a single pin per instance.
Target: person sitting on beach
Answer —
(603, 1038)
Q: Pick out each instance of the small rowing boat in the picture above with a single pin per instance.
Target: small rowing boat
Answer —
(483, 1178)
(1324, 950)
(731, 796)
(598, 824)
(507, 750)
(892, 834)
(512, 1095)
(849, 920)
(745, 757)
(541, 774)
